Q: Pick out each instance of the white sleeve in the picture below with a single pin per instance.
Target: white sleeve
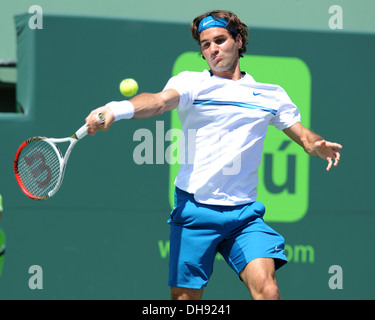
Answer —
(287, 113)
(183, 84)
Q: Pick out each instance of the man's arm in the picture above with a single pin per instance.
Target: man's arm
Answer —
(146, 105)
(314, 144)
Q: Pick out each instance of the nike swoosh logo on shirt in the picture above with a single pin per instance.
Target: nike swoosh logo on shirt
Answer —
(257, 93)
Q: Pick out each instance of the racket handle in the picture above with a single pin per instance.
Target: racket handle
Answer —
(82, 132)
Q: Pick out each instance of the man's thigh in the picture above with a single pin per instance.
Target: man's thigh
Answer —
(260, 278)
(192, 255)
(252, 239)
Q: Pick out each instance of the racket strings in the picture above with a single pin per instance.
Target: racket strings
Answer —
(39, 167)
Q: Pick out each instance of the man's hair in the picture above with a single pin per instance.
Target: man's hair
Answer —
(233, 22)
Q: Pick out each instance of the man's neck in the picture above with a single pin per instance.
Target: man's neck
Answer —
(234, 74)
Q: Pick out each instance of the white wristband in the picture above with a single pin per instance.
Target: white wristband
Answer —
(121, 109)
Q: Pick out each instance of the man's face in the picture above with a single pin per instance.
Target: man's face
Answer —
(220, 49)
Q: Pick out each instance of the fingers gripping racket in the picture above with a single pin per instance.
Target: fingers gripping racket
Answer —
(39, 165)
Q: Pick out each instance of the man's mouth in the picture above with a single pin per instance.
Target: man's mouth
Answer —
(216, 58)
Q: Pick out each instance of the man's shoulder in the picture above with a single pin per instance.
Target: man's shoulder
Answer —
(273, 89)
(193, 75)
(266, 86)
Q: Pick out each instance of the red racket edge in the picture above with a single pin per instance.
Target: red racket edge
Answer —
(16, 172)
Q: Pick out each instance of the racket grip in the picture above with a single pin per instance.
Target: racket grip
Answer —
(82, 132)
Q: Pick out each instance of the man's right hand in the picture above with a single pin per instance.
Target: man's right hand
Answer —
(94, 125)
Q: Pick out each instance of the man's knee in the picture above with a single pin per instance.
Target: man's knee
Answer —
(259, 276)
(178, 293)
(268, 291)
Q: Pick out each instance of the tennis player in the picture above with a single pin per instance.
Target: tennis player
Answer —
(216, 207)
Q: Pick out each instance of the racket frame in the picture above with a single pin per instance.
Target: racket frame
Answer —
(63, 160)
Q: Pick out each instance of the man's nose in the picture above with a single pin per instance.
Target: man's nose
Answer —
(214, 48)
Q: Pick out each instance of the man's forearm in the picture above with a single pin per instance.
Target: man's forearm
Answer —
(147, 105)
(304, 137)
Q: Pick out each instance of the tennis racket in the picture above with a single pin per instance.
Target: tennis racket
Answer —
(39, 165)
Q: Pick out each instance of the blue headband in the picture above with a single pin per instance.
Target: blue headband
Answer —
(211, 22)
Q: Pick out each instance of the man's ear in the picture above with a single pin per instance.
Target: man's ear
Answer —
(239, 41)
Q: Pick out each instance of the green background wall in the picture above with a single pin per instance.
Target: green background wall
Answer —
(287, 14)
(110, 241)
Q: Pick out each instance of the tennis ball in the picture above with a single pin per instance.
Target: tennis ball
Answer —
(128, 87)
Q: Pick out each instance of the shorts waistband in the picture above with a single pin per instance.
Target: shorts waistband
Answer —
(181, 195)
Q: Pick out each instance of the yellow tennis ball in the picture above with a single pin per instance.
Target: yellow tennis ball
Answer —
(128, 87)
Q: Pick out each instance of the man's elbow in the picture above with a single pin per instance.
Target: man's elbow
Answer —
(161, 105)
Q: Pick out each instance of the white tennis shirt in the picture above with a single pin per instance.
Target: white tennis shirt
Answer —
(224, 123)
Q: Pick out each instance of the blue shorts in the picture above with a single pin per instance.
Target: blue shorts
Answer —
(199, 231)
